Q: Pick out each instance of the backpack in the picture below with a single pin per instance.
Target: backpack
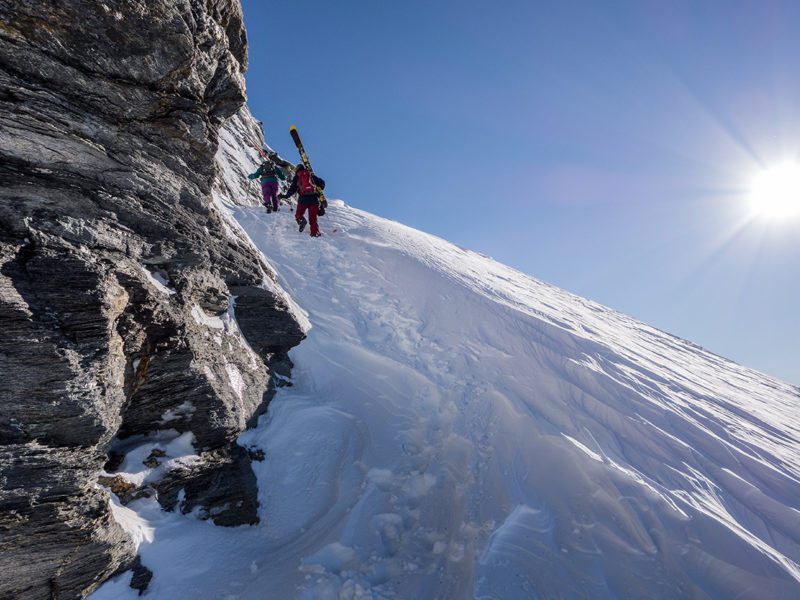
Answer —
(305, 183)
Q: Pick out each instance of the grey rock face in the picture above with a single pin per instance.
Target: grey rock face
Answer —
(56, 533)
(223, 489)
(118, 273)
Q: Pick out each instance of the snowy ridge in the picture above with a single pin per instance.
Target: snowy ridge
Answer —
(459, 429)
(625, 441)
(637, 350)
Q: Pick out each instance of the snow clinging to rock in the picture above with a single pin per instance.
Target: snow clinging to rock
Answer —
(458, 429)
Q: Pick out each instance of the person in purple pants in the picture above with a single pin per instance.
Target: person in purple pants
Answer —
(269, 173)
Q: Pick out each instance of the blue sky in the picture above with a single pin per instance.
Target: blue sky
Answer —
(604, 147)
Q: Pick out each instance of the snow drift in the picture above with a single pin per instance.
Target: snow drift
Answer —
(459, 429)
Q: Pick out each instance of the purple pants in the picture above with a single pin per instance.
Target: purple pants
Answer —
(270, 191)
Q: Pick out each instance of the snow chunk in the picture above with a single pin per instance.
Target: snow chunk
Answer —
(235, 377)
(117, 588)
(333, 558)
(202, 318)
(158, 281)
(178, 451)
(383, 478)
(184, 411)
(135, 526)
(419, 485)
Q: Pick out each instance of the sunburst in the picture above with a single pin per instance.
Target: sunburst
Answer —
(775, 192)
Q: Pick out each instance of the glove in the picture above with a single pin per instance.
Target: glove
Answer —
(281, 196)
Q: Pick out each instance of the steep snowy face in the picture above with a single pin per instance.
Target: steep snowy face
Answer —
(497, 437)
(128, 305)
(458, 429)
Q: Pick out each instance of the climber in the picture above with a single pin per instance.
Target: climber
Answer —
(306, 184)
(270, 173)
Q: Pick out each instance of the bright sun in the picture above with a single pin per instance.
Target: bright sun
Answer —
(775, 192)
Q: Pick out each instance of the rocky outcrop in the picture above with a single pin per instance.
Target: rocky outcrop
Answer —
(128, 302)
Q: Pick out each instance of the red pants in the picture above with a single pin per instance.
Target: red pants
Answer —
(312, 215)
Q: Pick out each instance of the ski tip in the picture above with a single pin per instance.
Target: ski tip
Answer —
(292, 128)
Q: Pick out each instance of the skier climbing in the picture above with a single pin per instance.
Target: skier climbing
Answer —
(308, 187)
(270, 173)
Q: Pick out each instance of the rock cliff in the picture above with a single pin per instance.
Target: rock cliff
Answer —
(130, 306)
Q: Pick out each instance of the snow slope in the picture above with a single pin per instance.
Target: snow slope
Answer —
(457, 429)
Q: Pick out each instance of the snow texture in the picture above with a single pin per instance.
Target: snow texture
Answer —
(458, 429)
(178, 451)
(226, 322)
(236, 157)
(158, 281)
(134, 525)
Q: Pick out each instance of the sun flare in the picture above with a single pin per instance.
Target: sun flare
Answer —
(775, 192)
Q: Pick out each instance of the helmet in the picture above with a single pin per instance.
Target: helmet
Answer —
(300, 166)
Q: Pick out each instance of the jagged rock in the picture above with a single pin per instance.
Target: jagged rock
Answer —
(242, 132)
(121, 487)
(222, 487)
(56, 533)
(152, 460)
(141, 576)
(118, 269)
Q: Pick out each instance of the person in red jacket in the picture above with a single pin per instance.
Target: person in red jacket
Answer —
(307, 186)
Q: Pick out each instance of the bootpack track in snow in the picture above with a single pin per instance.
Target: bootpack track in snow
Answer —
(458, 429)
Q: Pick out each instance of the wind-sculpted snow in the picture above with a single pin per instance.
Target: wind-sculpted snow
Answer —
(458, 429)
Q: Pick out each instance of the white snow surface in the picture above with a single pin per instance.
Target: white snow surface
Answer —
(178, 451)
(158, 281)
(458, 429)
(237, 156)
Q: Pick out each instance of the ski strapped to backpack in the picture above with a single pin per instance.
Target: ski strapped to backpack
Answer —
(309, 173)
(268, 160)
